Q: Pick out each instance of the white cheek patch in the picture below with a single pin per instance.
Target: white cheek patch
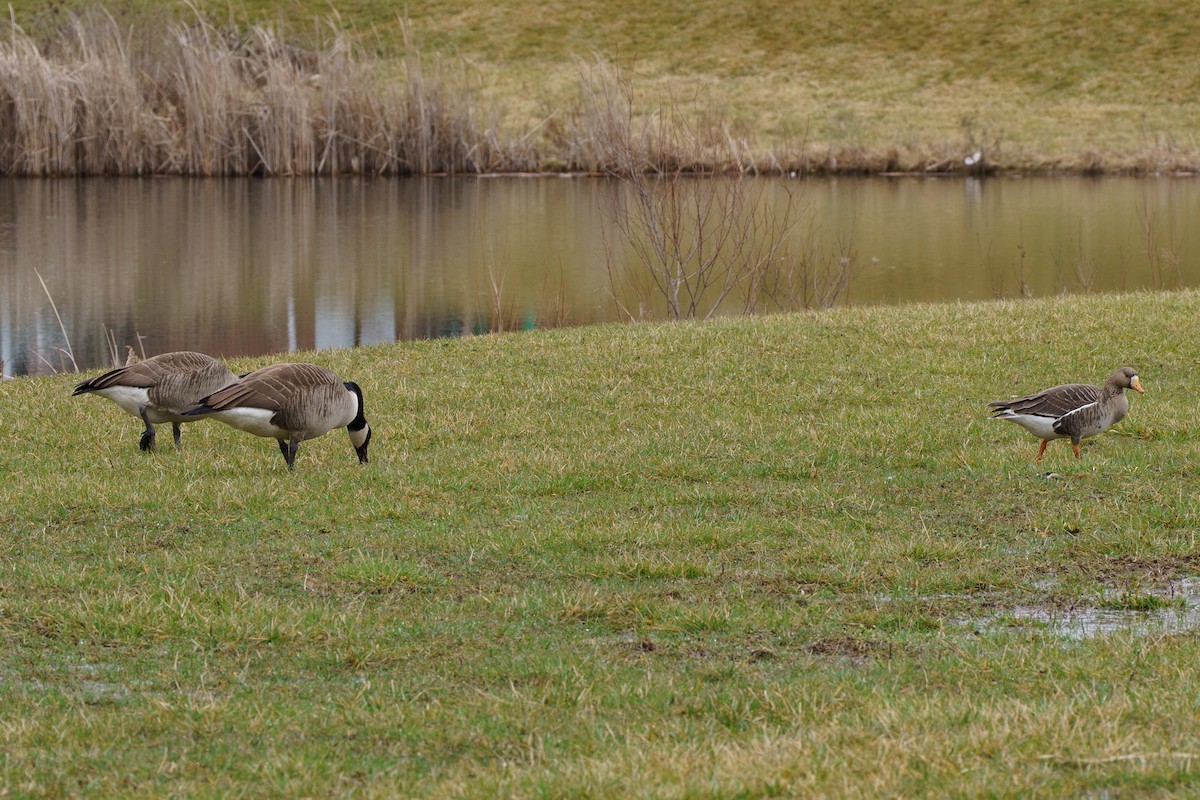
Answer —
(252, 420)
(130, 399)
(358, 437)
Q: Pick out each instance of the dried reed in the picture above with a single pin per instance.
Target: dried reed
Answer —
(197, 100)
(194, 99)
(94, 97)
(66, 351)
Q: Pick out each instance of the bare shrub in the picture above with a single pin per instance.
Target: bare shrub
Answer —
(499, 315)
(995, 276)
(818, 278)
(700, 239)
(697, 243)
(1161, 256)
(732, 244)
(1082, 267)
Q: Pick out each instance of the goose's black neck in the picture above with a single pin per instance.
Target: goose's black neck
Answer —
(360, 420)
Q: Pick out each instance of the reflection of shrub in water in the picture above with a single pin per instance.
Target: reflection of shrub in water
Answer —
(1160, 256)
(700, 244)
(720, 244)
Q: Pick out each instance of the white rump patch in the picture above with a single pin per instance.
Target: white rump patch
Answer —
(130, 399)
(1042, 427)
(251, 420)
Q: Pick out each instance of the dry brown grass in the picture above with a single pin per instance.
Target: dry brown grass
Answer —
(93, 95)
(193, 99)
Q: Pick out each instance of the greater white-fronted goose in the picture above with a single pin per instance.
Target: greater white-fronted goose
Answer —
(159, 389)
(1072, 411)
(291, 403)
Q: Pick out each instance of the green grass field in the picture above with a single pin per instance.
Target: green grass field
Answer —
(1049, 86)
(777, 556)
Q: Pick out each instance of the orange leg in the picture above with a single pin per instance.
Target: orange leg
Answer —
(1041, 452)
(1075, 447)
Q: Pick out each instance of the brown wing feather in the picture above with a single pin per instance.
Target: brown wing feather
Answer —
(184, 361)
(271, 387)
(314, 410)
(182, 388)
(141, 375)
(146, 374)
(241, 395)
(1053, 402)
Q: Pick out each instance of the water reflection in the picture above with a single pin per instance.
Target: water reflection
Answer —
(1179, 613)
(245, 267)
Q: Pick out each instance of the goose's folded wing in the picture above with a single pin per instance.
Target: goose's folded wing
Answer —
(1052, 402)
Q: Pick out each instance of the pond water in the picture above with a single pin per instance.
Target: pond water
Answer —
(247, 267)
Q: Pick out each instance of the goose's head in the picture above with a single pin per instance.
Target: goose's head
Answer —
(1127, 378)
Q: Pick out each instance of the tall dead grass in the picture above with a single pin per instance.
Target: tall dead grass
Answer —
(194, 99)
(613, 130)
(162, 96)
(94, 96)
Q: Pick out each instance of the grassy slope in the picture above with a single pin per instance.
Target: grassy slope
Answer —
(1044, 84)
(680, 560)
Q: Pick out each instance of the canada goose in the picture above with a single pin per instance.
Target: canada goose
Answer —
(160, 388)
(291, 403)
(1073, 411)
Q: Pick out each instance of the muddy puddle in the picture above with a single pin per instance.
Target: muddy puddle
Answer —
(1174, 609)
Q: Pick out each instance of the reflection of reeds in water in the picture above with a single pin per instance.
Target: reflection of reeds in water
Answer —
(355, 261)
(184, 265)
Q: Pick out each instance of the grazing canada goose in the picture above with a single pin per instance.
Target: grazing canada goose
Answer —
(160, 388)
(1073, 411)
(291, 403)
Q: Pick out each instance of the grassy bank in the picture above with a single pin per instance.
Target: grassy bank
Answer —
(829, 87)
(772, 556)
